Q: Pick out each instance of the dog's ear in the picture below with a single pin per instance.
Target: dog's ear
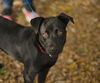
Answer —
(65, 18)
(36, 23)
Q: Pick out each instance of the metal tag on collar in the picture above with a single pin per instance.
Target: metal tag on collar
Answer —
(50, 55)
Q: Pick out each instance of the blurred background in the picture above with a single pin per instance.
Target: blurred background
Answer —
(80, 60)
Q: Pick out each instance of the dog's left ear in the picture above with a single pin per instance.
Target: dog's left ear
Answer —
(65, 18)
(36, 23)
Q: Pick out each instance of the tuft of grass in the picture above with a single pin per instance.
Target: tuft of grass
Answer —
(2, 71)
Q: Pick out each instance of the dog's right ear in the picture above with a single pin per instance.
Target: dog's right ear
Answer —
(36, 23)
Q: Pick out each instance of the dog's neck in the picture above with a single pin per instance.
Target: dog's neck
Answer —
(43, 50)
(40, 47)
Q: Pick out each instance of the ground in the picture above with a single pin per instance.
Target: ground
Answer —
(80, 60)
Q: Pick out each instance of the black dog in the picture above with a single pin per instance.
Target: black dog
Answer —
(37, 47)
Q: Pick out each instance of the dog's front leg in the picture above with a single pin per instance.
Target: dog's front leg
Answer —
(42, 75)
(29, 75)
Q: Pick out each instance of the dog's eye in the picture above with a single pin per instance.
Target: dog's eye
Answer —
(45, 35)
(60, 33)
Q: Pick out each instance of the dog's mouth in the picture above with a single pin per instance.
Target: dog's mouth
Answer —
(53, 52)
(49, 52)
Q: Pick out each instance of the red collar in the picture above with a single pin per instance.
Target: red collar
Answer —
(42, 49)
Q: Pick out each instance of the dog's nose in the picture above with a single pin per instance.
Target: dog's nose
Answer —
(52, 48)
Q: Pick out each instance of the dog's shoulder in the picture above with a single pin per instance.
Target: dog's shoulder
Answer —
(27, 33)
(9, 26)
(5, 23)
(4, 20)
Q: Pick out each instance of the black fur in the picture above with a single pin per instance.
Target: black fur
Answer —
(25, 43)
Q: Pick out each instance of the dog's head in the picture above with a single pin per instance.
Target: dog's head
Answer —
(52, 32)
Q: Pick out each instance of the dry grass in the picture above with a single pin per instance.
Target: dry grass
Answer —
(80, 60)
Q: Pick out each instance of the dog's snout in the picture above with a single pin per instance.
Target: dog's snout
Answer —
(53, 49)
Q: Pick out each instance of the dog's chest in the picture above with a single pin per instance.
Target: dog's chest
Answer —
(44, 61)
